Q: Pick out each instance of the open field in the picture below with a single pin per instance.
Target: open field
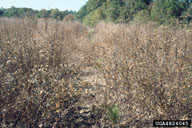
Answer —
(65, 74)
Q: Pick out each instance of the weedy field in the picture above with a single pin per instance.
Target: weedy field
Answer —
(65, 74)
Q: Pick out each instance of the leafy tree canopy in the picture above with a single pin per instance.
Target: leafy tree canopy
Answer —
(23, 12)
(116, 11)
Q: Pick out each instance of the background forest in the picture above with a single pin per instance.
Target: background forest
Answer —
(117, 11)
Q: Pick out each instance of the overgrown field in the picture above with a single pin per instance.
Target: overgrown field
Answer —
(65, 74)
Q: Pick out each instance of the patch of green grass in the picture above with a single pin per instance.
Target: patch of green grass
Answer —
(113, 113)
(98, 63)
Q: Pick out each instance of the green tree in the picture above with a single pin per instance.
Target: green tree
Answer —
(28, 12)
(55, 13)
(88, 8)
(112, 10)
(23, 12)
(81, 13)
(187, 15)
(142, 16)
(186, 4)
(165, 10)
(44, 13)
(94, 4)
(148, 2)
(131, 7)
(11, 12)
(93, 17)
(1, 11)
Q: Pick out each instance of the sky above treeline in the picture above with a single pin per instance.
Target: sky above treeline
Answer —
(62, 5)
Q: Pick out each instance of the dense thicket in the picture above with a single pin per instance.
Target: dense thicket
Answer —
(58, 74)
(161, 11)
(23, 12)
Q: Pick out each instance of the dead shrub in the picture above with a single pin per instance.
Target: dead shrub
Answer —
(147, 70)
(38, 74)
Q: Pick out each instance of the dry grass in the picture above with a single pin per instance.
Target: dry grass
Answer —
(147, 73)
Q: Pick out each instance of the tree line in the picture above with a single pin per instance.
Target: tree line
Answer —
(117, 11)
(28, 12)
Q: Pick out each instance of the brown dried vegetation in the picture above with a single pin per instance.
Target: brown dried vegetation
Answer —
(63, 74)
(148, 71)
